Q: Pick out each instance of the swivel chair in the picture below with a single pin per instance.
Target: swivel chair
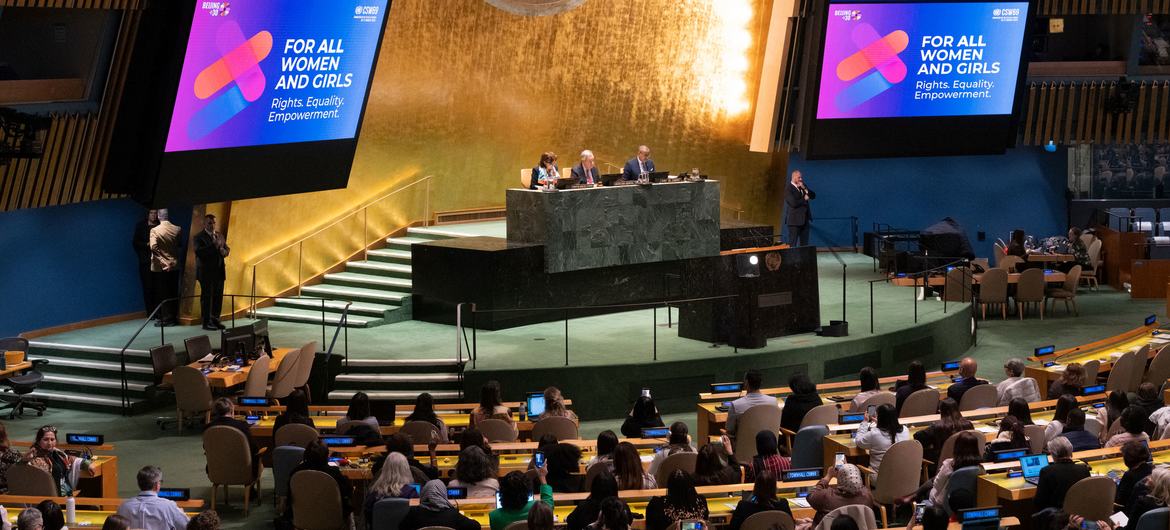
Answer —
(17, 386)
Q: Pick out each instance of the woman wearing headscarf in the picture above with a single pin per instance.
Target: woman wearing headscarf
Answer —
(435, 510)
(850, 489)
(64, 468)
(767, 456)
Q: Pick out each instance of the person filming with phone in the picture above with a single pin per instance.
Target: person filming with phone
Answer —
(878, 432)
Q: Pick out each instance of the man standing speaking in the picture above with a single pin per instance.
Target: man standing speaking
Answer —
(797, 214)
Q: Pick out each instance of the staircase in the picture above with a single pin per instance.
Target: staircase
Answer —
(399, 380)
(378, 286)
(89, 377)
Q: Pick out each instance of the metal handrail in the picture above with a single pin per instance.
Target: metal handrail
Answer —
(363, 209)
(162, 333)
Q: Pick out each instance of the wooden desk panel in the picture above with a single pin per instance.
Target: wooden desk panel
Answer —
(229, 378)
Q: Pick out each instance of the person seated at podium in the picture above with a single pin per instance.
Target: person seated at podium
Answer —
(641, 163)
(545, 173)
(586, 172)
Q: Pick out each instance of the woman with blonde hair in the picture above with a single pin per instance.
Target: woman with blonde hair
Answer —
(1071, 381)
(554, 404)
(394, 481)
(1150, 494)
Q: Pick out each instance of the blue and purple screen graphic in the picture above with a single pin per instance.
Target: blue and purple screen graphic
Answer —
(261, 72)
(925, 59)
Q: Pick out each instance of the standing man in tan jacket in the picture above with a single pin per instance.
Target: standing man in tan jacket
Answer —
(165, 246)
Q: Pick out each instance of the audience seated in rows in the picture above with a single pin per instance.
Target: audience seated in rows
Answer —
(148, 511)
(63, 467)
(205, 520)
(317, 459)
(393, 481)
(357, 413)
(967, 369)
(604, 487)
(117, 522)
(1020, 410)
(424, 410)
(1056, 478)
(30, 519)
(1010, 436)
(1071, 381)
(680, 503)
(1016, 385)
(768, 456)
(763, 499)
(842, 522)
(1074, 431)
(8, 456)
(643, 415)
(223, 412)
(554, 405)
(515, 491)
(1115, 404)
(52, 518)
(540, 517)
(1138, 466)
(402, 443)
(753, 381)
(607, 441)
(563, 462)
(849, 489)
(915, 381)
(876, 435)
(296, 410)
(950, 421)
(1149, 494)
(435, 509)
(678, 442)
(1148, 401)
(868, 380)
(966, 454)
(802, 399)
(491, 406)
(476, 472)
(716, 464)
(934, 517)
(1064, 404)
(613, 515)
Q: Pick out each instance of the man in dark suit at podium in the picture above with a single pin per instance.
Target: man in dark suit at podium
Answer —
(210, 250)
(638, 165)
(797, 214)
(586, 173)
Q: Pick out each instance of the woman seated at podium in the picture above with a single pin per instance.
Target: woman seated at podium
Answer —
(545, 173)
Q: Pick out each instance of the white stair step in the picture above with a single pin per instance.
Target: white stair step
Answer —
(308, 315)
(345, 292)
(434, 233)
(377, 267)
(407, 241)
(397, 395)
(398, 378)
(370, 280)
(389, 253)
(355, 308)
(391, 363)
(95, 365)
(89, 381)
(71, 397)
(84, 348)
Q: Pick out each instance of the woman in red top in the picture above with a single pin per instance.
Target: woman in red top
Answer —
(768, 456)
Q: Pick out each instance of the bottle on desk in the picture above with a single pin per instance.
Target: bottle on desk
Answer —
(523, 411)
(70, 511)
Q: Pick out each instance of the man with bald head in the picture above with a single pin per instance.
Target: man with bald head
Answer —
(967, 369)
(638, 165)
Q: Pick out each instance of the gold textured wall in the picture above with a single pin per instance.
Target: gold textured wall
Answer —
(471, 94)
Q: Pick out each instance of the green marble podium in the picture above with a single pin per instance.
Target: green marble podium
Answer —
(589, 228)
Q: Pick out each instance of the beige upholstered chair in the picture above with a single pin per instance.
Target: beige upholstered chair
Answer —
(1090, 276)
(1036, 440)
(316, 502)
(1094, 427)
(285, 378)
(496, 430)
(1092, 368)
(1137, 372)
(993, 291)
(24, 479)
(297, 434)
(1068, 291)
(900, 474)
(881, 398)
(753, 420)
(948, 446)
(861, 514)
(192, 394)
(1091, 498)
(561, 427)
(308, 354)
(1030, 290)
(979, 397)
(769, 520)
(420, 431)
(920, 403)
(1159, 370)
(683, 461)
(1121, 374)
(229, 462)
(526, 177)
(1008, 263)
(826, 414)
(257, 383)
(593, 471)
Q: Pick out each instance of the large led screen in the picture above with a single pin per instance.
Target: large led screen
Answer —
(264, 72)
(902, 60)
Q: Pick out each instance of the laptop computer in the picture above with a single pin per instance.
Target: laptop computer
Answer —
(659, 176)
(384, 410)
(609, 179)
(564, 183)
(1031, 465)
(535, 402)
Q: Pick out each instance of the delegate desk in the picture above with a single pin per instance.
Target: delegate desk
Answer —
(590, 228)
(940, 280)
(102, 478)
(1103, 351)
(360, 468)
(998, 488)
(1041, 257)
(228, 377)
(262, 430)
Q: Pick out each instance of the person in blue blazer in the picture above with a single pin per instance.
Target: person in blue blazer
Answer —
(638, 165)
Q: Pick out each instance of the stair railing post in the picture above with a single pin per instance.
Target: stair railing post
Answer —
(365, 234)
(300, 258)
(474, 345)
(322, 321)
(566, 336)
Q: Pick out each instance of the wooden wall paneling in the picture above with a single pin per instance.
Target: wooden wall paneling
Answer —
(77, 150)
(1058, 114)
(1106, 133)
(1162, 115)
(1067, 134)
(1055, 99)
(1152, 117)
(1038, 122)
(1082, 112)
(68, 155)
(1031, 116)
